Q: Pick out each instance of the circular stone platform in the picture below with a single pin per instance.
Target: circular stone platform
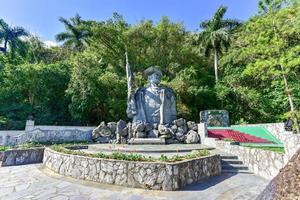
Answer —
(147, 150)
(170, 148)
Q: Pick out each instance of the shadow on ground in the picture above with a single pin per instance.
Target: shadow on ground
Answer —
(207, 183)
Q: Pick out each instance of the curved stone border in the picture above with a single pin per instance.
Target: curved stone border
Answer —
(148, 175)
(22, 156)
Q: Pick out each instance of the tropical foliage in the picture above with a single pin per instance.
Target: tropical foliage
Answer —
(216, 35)
(83, 81)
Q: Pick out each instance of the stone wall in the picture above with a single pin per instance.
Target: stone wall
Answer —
(8, 133)
(290, 141)
(22, 156)
(148, 175)
(261, 162)
(50, 135)
(286, 185)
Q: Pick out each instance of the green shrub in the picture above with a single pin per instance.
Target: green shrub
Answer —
(131, 156)
(3, 148)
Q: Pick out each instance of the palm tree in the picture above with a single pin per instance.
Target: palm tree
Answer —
(216, 35)
(76, 35)
(10, 37)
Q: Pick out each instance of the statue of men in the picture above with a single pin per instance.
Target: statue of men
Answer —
(153, 103)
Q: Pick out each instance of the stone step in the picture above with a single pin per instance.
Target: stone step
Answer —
(235, 167)
(235, 171)
(231, 161)
(232, 157)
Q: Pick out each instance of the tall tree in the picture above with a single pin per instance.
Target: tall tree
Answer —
(11, 37)
(262, 63)
(216, 35)
(76, 33)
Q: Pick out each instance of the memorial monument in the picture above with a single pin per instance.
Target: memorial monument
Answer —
(152, 109)
(153, 104)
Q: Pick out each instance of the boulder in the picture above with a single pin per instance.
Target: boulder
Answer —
(174, 128)
(148, 127)
(121, 128)
(140, 134)
(179, 122)
(192, 125)
(139, 127)
(153, 134)
(112, 126)
(192, 137)
(180, 135)
(102, 132)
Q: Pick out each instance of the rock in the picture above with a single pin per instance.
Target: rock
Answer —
(112, 126)
(192, 125)
(174, 128)
(165, 136)
(122, 129)
(180, 135)
(140, 134)
(148, 127)
(182, 130)
(153, 134)
(140, 127)
(192, 137)
(102, 131)
(164, 130)
(179, 122)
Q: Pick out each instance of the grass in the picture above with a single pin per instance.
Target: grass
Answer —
(228, 140)
(33, 144)
(275, 149)
(132, 156)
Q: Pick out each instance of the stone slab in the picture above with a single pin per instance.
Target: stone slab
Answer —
(35, 182)
(135, 141)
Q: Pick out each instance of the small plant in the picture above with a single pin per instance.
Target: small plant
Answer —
(163, 158)
(228, 140)
(3, 148)
(132, 156)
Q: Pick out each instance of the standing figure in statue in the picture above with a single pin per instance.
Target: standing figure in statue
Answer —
(153, 104)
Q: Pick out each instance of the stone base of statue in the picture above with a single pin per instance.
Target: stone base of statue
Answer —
(147, 141)
(179, 131)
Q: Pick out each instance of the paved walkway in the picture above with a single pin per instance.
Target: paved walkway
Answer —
(34, 182)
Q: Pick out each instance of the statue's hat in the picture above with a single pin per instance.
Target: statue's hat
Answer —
(151, 70)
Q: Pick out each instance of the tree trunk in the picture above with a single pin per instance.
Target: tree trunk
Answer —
(290, 98)
(216, 63)
(286, 85)
(5, 46)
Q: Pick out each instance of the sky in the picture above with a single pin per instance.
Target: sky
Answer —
(40, 17)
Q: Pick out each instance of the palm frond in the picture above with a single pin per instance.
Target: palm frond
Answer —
(19, 31)
(76, 19)
(63, 36)
(3, 25)
(68, 25)
(231, 23)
